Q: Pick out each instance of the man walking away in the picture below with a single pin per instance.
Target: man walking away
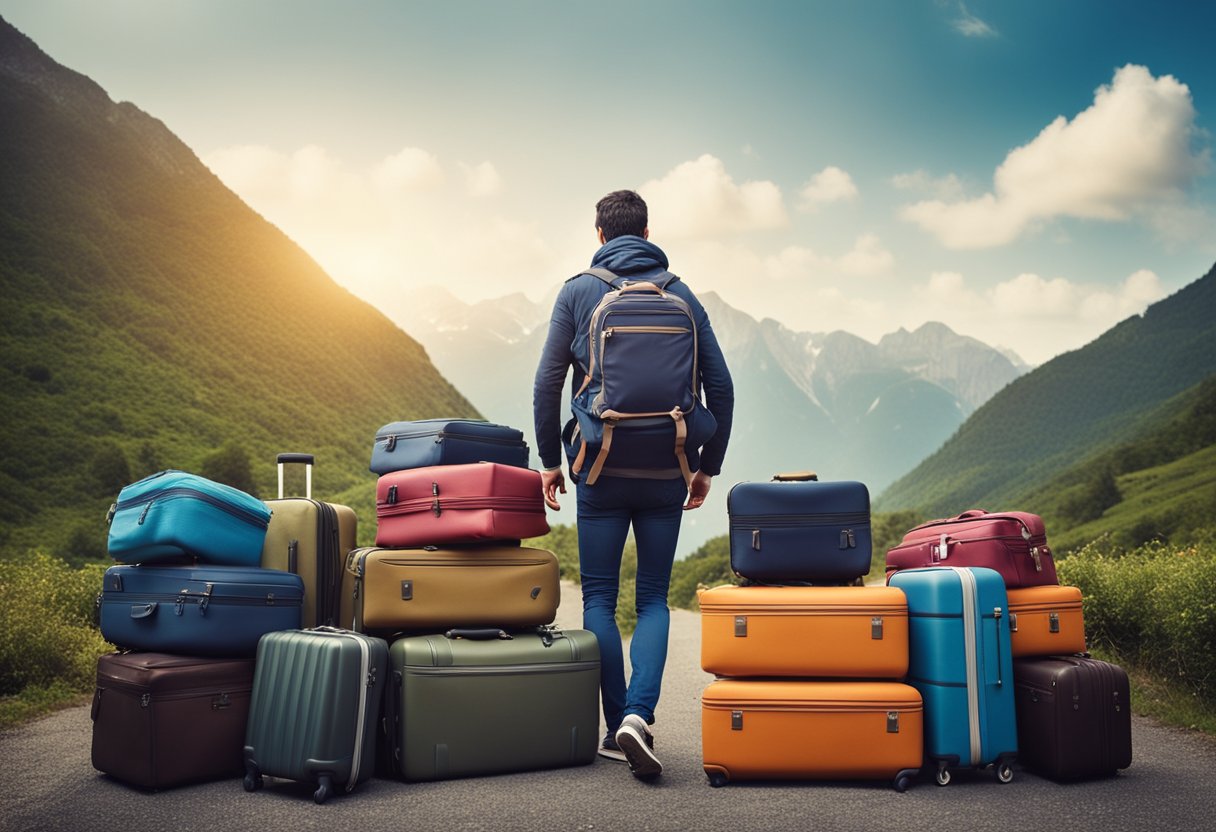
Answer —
(629, 327)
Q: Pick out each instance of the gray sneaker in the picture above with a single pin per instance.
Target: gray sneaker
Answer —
(610, 750)
(636, 741)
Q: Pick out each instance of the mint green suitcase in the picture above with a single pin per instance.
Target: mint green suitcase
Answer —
(315, 710)
(483, 702)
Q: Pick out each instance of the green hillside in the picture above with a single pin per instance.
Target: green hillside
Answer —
(150, 317)
(1072, 407)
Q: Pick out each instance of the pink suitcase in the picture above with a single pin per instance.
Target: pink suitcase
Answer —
(452, 504)
(1013, 543)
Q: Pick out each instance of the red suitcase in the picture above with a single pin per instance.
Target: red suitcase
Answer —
(1014, 543)
(448, 504)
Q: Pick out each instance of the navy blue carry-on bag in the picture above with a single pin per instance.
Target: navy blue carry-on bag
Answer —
(796, 529)
(401, 446)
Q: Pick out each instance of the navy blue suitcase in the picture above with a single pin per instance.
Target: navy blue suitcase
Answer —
(197, 610)
(796, 529)
(961, 662)
(400, 446)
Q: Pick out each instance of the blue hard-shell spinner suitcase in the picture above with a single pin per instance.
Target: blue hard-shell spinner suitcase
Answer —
(401, 446)
(960, 661)
(197, 610)
(173, 515)
(797, 529)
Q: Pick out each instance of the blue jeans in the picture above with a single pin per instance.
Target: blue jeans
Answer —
(605, 512)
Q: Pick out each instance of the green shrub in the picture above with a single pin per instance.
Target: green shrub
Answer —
(47, 635)
(1155, 605)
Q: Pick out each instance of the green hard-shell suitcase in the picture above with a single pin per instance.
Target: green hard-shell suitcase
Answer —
(315, 710)
(473, 702)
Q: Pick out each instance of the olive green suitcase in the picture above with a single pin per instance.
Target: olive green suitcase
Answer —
(485, 702)
(315, 710)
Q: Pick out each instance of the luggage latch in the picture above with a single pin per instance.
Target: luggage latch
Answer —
(876, 627)
(847, 539)
(942, 545)
(1013, 622)
(1038, 560)
(756, 539)
(116, 582)
(145, 700)
(407, 590)
(435, 503)
(892, 722)
(220, 702)
(740, 626)
(390, 442)
(110, 514)
(1053, 622)
(391, 499)
(736, 720)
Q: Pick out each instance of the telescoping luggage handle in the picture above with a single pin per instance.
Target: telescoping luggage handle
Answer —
(303, 459)
(796, 476)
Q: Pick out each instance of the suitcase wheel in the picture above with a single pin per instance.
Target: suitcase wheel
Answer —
(904, 779)
(253, 778)
(717, 776)
(943, 775)
(1004, 773)
(324, 789)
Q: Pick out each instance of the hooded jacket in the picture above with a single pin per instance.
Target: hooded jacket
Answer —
(567, 345)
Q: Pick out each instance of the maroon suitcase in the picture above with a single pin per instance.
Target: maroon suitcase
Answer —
(162, 720)
(448, 504)
(1014, 543)
(1074, 716)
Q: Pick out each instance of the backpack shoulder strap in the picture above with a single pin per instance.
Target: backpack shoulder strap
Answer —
(603, 274)
(665, 279)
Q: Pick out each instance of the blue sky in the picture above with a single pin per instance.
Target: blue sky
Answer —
(861, 166)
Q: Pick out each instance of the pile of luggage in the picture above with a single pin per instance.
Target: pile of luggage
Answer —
(970, 657)
(255, 637)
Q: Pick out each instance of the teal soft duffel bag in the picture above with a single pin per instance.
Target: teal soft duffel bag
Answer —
(174, 515)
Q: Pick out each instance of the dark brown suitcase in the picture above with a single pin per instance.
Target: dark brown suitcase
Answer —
(1074, 716)
(162, 720)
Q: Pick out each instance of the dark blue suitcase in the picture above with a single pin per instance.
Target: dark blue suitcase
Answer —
(400, 446)
(797, 529)
(197, 610)
(960, 661)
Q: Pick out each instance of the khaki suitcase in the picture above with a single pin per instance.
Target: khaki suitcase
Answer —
(1046, 621)
(800, 730)
(838, 632)
(310, 538)
(389, 590)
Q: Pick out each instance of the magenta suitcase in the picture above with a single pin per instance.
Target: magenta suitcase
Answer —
(1014, 543)
(452, 504)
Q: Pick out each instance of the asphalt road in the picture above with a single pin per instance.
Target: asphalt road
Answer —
(51, 785)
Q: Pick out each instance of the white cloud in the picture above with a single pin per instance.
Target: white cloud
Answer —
(868, 257)
(1127, 155)
(968, 25)
(411, 169)
(700, 199)
(946, 187)
(481, 180)
(829, 185)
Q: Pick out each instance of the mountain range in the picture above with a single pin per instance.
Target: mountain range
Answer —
(152, 320)
(831, 402)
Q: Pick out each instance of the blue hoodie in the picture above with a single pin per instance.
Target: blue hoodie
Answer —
(566, 346)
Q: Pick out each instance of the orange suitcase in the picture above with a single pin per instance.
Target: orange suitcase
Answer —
(1046, 621)
(831, 631)
(799, 730)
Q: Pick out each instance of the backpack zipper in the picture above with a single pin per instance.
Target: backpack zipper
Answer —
(177, 492)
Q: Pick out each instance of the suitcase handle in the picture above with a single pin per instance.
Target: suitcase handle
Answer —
(796, 476)
(473, 634)
(970, 514)
(143, 610)
(297, 459)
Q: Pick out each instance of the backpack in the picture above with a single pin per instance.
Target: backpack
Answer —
(639, 407)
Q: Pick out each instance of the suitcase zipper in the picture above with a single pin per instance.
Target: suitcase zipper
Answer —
(390, 440)
(147, 500)
(222, 696)
(813, 706)
(502, 669)
(203, 600)
(896, 610)
(434, 505)
(747, 521)
(461, 562)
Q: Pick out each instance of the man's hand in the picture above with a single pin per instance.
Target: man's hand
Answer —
(698, 490)
(552, 482)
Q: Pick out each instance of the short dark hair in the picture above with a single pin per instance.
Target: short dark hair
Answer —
(620, 213)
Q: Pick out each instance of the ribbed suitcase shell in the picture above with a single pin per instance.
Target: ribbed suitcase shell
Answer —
(464, 707)
(162, 720)
(316, 708)
(1046, 621)
(311, 539)
(838, 632)
(403, 445)
(197, 610)
(459, 504)
(961, 664)
(799, 531)
(173, 514)
(1014, 543)
(783, 730)
(433, 589)
(1074, 716)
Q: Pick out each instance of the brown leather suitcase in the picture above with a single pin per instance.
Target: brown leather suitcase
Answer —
(162, 720)
(496, 585)
(310, 538)
(1045, 621)
(1074, 716)
(800, 730)
(838, 632)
